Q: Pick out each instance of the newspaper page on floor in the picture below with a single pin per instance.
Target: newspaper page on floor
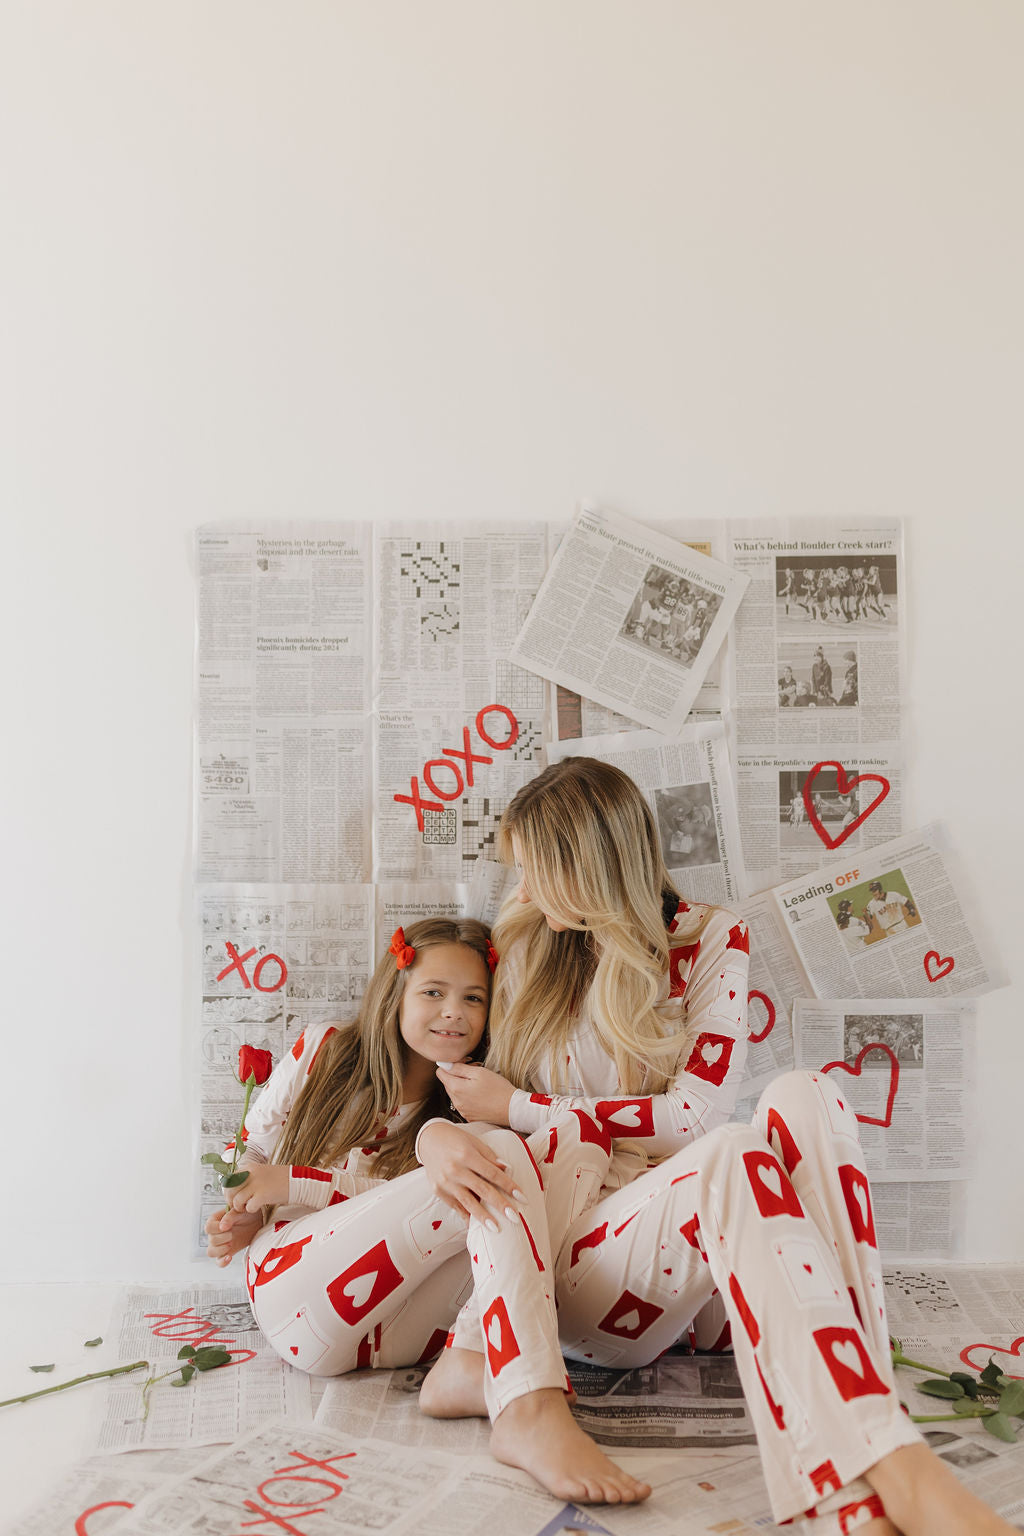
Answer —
(282, 698)
(907, 1071)
(274, 959)
(215, 1406)
(630, 619)
(688, 785)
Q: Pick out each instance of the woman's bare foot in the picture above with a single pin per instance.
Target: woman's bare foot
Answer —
(923, 1497)
(454, 1387)
(538, 1434)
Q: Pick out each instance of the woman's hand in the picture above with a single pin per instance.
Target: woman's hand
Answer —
(228, 1233)
(267, 1184)
(476, 1092)
(466, 1174)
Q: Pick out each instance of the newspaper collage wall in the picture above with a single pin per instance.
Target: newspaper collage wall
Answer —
(370, 699)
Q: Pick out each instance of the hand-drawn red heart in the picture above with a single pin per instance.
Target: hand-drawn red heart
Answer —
(855, 1071)
(844, 786)
(942, 967)
(770, 1006)
(992, 1349)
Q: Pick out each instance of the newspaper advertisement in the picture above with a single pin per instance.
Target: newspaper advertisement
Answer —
(95, 1494)
(449, 606)
(289, 1472)
(442, 782)
(629, 618)
(153, 1324)
(776, 978)
(907, 1071)
(274, 959)
(817, 645)
(888, 922)
(688, 785)
(957, 1318)
(795, 808)
(283, 658)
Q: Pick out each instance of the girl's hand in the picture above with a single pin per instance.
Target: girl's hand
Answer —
(466, 1174)
(228, 1233)
(476, 1092)
(267, 1184)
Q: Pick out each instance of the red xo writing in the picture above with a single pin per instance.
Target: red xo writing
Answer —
(459, 781)
(236, 962)
(186, 1328)
(301, 1507)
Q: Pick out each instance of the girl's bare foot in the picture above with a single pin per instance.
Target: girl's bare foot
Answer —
(923, 1497)
(538, 1434)
(454, 1387)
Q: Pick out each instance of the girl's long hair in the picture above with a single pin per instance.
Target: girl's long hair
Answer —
(356, 1079)
(590, 849)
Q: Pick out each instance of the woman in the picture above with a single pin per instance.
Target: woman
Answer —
(622, 1001)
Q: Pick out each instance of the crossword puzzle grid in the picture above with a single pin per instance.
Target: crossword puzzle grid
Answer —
(480, 820)
(430, 568)
(439, 621)
(519, 690)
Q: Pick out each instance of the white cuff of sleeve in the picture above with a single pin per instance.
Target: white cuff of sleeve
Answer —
(437, 1120)
(518, 1121)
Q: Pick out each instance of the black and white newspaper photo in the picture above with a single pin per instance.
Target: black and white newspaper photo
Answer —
(283, 693)
(441, 786)
(817, 647)
(894, 921)
(274, 960)
(687, 782)
(630, 619)
(155, 1324)
(907, 1070)
(795, 808)
(449, 605)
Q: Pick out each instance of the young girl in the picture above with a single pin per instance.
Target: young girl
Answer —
(362, 1264)
(618, 999)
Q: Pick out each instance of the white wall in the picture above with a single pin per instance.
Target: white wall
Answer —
(462, 258)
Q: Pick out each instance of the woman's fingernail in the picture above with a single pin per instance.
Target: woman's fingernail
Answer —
(442, 1066)
(510, 1213)
(517, 1194)
(492, 1226)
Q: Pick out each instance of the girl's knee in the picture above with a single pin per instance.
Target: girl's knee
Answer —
(794, 1096)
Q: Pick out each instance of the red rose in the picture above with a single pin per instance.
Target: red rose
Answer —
(255, 1064)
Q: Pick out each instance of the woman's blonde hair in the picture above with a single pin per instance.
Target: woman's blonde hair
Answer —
(592, 859)
(356, 1079)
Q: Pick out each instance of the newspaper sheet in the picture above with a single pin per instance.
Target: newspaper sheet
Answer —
(282, 703)
(629, 618)
(795, 807)
(449, 606)
(442, 782)
(291, 1472)
(957, 1318)
(907, 1070)
(274, 959)
(888, 922)
(153, 1324)
(776, 978)
(817, 645)
(490, 885)
(407, 901)
(920, 1221)
(688, 784)
(93, 1497)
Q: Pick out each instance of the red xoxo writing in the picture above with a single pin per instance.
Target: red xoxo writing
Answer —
(298, 1473)
(468, 756)
(186, 1328)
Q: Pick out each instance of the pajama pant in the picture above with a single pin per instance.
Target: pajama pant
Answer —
(776, 1218)
(377, 1279)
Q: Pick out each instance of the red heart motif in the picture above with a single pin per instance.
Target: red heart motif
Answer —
(855, 1071)
(992, 1349)
(942, 966)
(770, 1006)
(843, 785)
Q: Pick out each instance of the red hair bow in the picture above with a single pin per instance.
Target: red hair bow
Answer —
(404, 953)
(492, 958)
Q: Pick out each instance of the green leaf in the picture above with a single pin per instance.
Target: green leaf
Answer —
(187, 1372)
(234, 1179)
(91, 1343)
(1011, 1400)
(210, 1358)
(966, 1405)
(186, 1352)
(214, 1160)
(940, 1388)
(968, 1383)
(990, 1375)
(40, 1367)
(999, 1425)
